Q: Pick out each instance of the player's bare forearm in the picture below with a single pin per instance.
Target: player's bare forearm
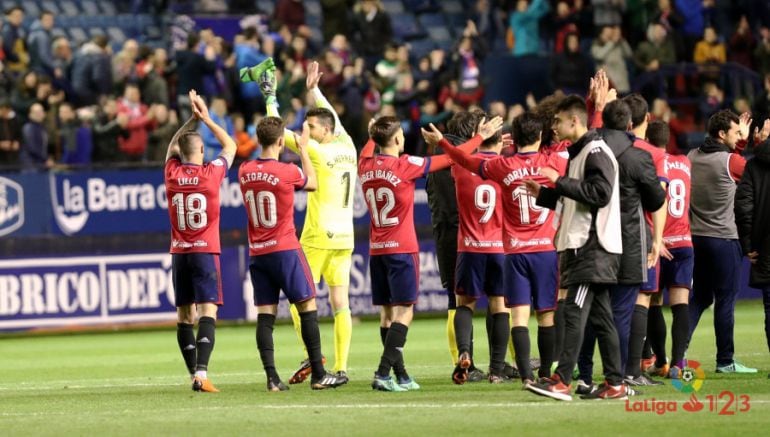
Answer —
(173, 150)
(460, 157)
(444, 161)
(307, 166)
(659, 222)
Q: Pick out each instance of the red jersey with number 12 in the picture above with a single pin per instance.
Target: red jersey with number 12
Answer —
(480, 210)
(677, 231)
(268, 189)
(192, 192)
(388, 186)
(527, 227)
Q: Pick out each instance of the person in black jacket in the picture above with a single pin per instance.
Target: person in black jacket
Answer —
(440, 188)
(191, 67)
(589, 245)
(92, 72)
(752, 216)
(640, 190)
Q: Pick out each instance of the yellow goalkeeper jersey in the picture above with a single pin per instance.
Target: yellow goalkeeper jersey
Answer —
(329, 217)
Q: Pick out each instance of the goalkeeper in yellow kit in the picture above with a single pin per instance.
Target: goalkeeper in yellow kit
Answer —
(327, 235)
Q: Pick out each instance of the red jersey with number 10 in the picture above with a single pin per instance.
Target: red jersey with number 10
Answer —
(192, 192)
(268, 189)
(388, 186)
(480, 210)
(677, 231)
(527, 227)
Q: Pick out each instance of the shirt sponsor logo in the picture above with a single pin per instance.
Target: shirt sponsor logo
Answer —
(11, 206)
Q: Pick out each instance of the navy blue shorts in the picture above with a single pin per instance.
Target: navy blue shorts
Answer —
(678, 271)
(285, 270)
(650, 286)
(196, 278)
(479, 274)
(532, 279)
(395, 278)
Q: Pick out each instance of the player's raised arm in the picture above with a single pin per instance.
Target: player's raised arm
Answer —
(173, 150)
(434, 137)
(201, 112)
(311, 82)
(307, 166)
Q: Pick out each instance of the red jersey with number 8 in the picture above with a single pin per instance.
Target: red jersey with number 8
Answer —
(268, 188)
(480, 210)
(388, 186)
(527, 227)
(192, 192)
(677, 231)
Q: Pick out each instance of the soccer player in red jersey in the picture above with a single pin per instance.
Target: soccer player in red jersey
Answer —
(479, 266)
(277, 261)
(387, 181)
(192, 191)
(676, 264)
(531, 262)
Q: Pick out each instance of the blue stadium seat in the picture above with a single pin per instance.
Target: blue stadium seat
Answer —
(421, 47)
(452, 7)
(116, 35)
(405, 27)
(313, 20)
(457, 22)
(49, 5)
(439, 34)
(77, 35)
(57, 32)
(108, 8)
(94, 31)
(312, 7)
(431, 20)
(89, 7)
(266, 6)
(393, 7)
(421, 5)
(69, 7)
(31, 9)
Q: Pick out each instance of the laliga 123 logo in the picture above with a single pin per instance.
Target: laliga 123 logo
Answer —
(691, 379)
(11, 206)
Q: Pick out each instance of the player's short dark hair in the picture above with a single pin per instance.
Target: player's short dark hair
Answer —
(382, 130)
(638, 107)
(658, 133)
(574, 105)
(527, 129)
(464, 123)
(269, 130)
(186, 142)
(546, 110)
(721, 122)
(325, 116)
(616, 115)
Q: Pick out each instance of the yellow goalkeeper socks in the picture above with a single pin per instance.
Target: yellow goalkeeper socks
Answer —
(450, 336)
(297, 326)
(343, 332)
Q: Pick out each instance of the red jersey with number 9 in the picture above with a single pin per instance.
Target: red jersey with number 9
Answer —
(677, 231)
(527, 227)
(268, 188)
(480, 210)
(192, 192)
(388, 186)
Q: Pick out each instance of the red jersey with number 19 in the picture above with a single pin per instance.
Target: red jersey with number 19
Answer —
(677, 231)
(527, 227)
(268, 188)
(388, 186)
(192, 193)
(479, 207)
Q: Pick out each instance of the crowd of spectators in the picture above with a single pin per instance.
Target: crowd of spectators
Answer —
(61, 104)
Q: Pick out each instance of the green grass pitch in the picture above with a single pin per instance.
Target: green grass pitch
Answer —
(134, 383)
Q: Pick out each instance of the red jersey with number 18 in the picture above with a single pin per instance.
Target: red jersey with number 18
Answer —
(527, 227)
(268, 188)
(677, 231)
(480, 210)
(192, 192)
(388, 186)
